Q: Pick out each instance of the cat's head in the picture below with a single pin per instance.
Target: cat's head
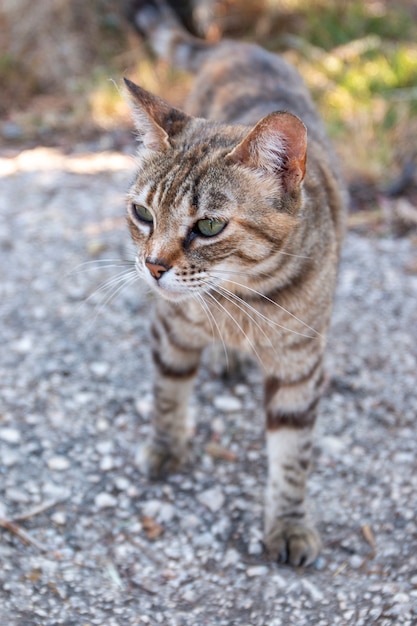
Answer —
(211, 203)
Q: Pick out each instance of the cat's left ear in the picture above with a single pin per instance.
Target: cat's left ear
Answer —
(277, 144)
(155, 120)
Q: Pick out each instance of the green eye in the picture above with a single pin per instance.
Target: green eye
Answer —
(142, 213)
(209, 228)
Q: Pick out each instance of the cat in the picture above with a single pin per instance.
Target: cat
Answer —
(238, 218)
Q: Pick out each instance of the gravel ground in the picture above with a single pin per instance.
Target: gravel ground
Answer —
(108, 547)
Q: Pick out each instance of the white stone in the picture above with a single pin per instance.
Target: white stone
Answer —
(104, 447)
(144, 405)
(241, 389)
(401, 598)
(228, 404)
(82, 398)
(232, 557)
(10, 435)
(151, 508)
(333, 446)
(106, 463)
(58, 463)
(213, 499)
(56, 492)
(189, 595)
(190, 521)
(59, 518)
(217, 425)
(99, 369)
(122, 483)
(255, 548)
(9, 458)
(166, 513)
(24, 345)
(356, 561)
(17, 495)
(105, 500)
(102, 425)
(257, 570)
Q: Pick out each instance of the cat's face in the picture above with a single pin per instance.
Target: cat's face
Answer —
(197, 225)
(202, 211)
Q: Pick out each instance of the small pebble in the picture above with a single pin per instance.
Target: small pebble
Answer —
(356, 561)
(99, 369)
(228, 404)
(9, 458)
(59, 518)
(213, 499)
(10, 435)
(58, 463)
(105, 447)
(105, 500)
(17, 495)
(122, 483)
(102, 425)
(255, 548)
(107, 463)
(320, 563)
(24, 345)
(257, 570)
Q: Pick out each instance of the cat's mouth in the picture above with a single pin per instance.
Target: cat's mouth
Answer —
(168, 284)
(167, 289)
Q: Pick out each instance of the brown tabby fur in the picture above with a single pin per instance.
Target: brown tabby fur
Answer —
(265, 283)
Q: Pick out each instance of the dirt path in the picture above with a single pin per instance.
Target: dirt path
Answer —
(109, 548)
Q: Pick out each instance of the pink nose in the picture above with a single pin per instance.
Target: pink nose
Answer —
(156, 269)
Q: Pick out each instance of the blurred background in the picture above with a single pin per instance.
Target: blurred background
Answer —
(62, 61)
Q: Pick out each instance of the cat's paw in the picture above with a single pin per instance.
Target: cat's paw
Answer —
(158, 461)
(293, 543)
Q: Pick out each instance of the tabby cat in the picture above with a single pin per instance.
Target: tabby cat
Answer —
(238, 221)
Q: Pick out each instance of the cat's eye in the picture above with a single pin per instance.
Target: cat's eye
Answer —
(142, 213)
(209, 227)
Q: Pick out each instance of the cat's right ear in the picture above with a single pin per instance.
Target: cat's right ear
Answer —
(155, 120)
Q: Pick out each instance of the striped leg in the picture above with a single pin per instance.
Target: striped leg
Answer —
(290, 415)
(175, 367)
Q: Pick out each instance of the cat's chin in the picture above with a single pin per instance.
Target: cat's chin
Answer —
(171, 296)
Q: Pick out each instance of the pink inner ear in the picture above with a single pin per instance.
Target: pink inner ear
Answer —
(278, 143)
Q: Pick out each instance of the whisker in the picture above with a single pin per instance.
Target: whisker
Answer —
(99, 264)
(234, 299)
(110, 282)
(282, 308)
(208, 293)
(245, 274)
(198, 298)
(209, 314)
(270, 322)
(122, 283)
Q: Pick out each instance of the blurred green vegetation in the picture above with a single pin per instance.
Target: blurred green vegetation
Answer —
(360, 62)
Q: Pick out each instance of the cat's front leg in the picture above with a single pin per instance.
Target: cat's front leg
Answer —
(176, 356)
(290, 415)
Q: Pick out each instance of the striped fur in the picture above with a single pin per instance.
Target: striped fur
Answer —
(264, 283)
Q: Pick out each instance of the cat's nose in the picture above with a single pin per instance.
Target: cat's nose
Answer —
(156, 268)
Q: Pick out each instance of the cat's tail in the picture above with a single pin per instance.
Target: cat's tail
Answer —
(162, 25)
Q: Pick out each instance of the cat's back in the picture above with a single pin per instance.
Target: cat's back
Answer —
(240, 83)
